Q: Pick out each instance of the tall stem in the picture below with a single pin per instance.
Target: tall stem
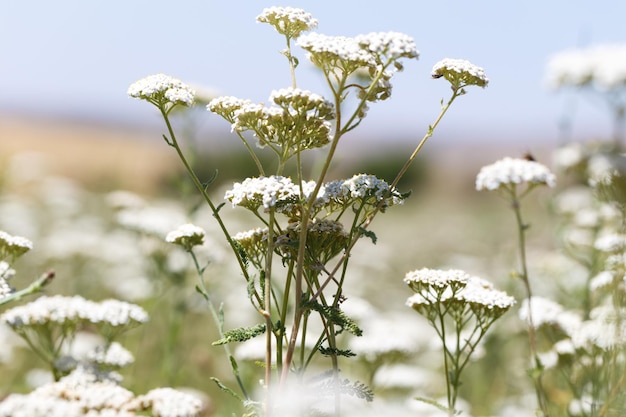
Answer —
(174, 143)
(219, 324)
(537, 371)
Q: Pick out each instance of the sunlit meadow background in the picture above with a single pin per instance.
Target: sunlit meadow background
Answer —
(97, 201)
(97, 198)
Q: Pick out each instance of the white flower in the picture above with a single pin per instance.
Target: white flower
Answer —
(61, 310)
(226, 106)
(603, 66)
(611, 243)
(605, 329)
(168, 402)
(568, 156)
(361, 187)
(393, 45)
(113, 355)
(547, 312)
(509, 171)
(289, 21)
(13, 246)
(601, 280)
(480, 292)
(160, 89)
(460, 73)
(324, 49)
(187, 235)
(262, 191)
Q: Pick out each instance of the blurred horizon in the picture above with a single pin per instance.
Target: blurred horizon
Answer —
(74, 61)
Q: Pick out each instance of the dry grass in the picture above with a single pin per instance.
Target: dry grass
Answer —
(98, 155)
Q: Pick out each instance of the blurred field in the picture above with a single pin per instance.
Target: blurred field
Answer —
(445, 223)
(97, 155)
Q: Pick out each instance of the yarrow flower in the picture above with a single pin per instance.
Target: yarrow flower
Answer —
(337, 52)
(187, 235)
(253, 193)
(63, 310)
(389, 45)
(85, 393)
(511, 171)
(115, 355)
(226, 106)
(301, 119)
(603, 66)
(460, 73)
(13, 246)
(161, 89)
(168, 402)
(361, 187)
(288, 21)
(457, 288)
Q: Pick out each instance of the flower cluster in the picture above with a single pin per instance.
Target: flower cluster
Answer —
(509, 172)
(113, 355)
(456, 289)
(288, 21)
(84, 393)
(301, 119)
(603, 66)
(460, 73)
(162, 90)
(187, 235)
(254, 244)
(63, 310)
(372, 56)
(362, 188)
(13, 246)
(253, 193)
(325, 239)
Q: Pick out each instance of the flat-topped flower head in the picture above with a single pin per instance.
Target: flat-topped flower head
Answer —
(187, 235)
(508, 172)
(460, 73)
(301, 121)
(336, 52)
(162, 90)
(485, 300)
(111, 356)
(602, 66)
(254, 243)
(303, 101)
(167, 402)
(363, 188)
(226, 106)
(13, 247)
(288, 21)
(388, 46)
(253, 193)
(436, 278)
(74, 310)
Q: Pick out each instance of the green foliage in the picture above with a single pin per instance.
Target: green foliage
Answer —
(241, 334)
(335, 316)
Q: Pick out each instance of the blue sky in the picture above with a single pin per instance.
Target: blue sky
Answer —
(77, 58)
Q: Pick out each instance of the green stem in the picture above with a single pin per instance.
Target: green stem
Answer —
(174, 143)
(537, 371)
(31, 289)
(218, 324)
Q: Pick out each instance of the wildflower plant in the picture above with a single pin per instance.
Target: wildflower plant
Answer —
(514, 179)
(598, 70)
(461, 308)
(295, 261)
